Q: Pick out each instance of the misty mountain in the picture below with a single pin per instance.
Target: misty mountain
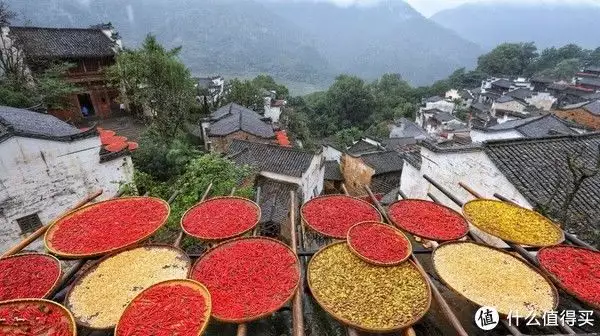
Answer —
(304, 42)
(390, 37)
(547, 25)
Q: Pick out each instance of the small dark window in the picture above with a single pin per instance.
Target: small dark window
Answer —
(29, 224)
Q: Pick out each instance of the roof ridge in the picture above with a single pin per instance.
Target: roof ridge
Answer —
(55, 28)
(490, 143)
(275, 146)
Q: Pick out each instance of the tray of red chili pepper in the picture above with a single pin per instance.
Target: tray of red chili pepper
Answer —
(172, 307)
(248, 278)
(333, 215)
(575, 269)
(106, 227)
(379, 244)
(35, 317)
(221, 218)
(428, 220)
(28, 276)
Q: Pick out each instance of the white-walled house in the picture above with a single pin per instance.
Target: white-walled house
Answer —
(47, 166)
(273, 108)
(525, 170)
(282, 164)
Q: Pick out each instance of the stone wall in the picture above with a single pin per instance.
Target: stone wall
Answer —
(356, 174)
(221, 144)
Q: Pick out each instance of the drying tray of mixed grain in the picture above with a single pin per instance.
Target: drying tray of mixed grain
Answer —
(221, 218)
(99, 296)
(106, 227)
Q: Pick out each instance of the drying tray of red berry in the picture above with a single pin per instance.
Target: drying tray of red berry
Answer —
(35, 317)
(106, 227)
(172, 307)
(28, 276)
(379, 244)
(333, 215)
(221, 218)
(428, 220)
(248, 278)
(575, 269)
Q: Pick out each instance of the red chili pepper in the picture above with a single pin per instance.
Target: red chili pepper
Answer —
(379, 243)
(33, 319)
(577, 269)
(335, 215)
(428, 220)
(27, 276)
(163, 310)
(247, 278)
(108, 225)
(220, 218)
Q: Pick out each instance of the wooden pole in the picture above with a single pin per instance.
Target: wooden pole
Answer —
(204, 196)
(460, 330)
(242, 330)
(39, 232)
(345, 190)
(470, 190)
(298, 318)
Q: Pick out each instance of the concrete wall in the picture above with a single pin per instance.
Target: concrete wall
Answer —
(542, 100)
(332, 154)
(356, 174)
(480, 136)
(510, 106)
(441, 105)
(448, 169)
(313, 178)
(48, 177)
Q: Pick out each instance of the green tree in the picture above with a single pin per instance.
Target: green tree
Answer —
(245, 93)
(346, 137)
(350, 101)
(154, 78)
(268, 83)
(508, 59)
(565, 70)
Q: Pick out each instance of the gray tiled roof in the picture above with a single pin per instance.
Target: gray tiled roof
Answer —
(332, 171)
(393, 143)
(537, 166)
(505, 99)
(405, 128)
(520, 93)
(362, 147)
(384, 162)
(274, 201)
(503, 83)
(540, 126)
(590, 81)
(593, 107)
(37, 125)
(594, 68)
(232, 118)
(443, 116)
(434, 99)
(63, 42)
(270, 158)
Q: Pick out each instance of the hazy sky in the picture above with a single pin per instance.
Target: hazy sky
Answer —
(429, 7)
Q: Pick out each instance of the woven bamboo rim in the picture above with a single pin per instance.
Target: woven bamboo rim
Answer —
(212, 239)
(377, 262)
(256, 317)
(54, 259)
(355, 325)
(554, 291)
(557, 280)
(333, 196)
(54, 226)
(77, 281)
(183, 282)
(65, 311)
(428, 237)
(509, 239)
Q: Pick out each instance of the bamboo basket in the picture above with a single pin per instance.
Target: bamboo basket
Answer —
(66, 312)
(54, 259)
(376, 262)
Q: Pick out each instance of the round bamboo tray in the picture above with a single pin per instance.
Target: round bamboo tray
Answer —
(66, 312)
(212, 239)
(560, 284)
(358, 326)
(547, 279)
(377, 262)
(425, 236)
(263, 314)
(54, 226)
(182, 256)
(333, 196)
(53, 258)
(508, 238)
(183, 282)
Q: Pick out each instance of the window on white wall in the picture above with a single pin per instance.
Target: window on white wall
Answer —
(30, 223)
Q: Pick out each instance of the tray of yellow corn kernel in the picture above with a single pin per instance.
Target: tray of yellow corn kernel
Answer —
(512, 223)
(492, 277)
(367, 297)
(99, 296)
